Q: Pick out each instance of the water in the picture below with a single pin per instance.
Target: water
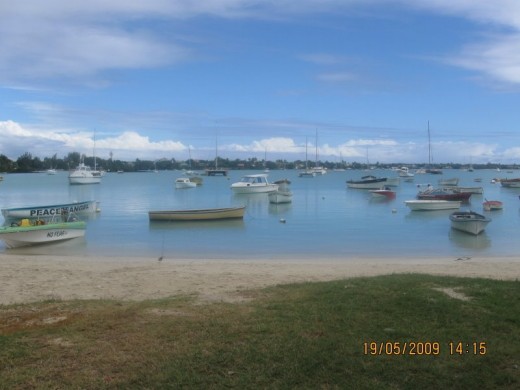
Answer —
(326, 219)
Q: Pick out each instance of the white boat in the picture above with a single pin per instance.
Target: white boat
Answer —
(307, 174)
(319, 170)
(432, 204)
(283, 194)
(449, 182)
(197, 214)
(51, 171)
(405, 173)
(40, 232)
(252, 184)
(367, 182)
(184, 182)
(469, 222)
(83, 174)
(78, 208)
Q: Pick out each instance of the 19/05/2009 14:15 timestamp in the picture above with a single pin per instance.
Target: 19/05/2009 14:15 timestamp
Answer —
(424, 348)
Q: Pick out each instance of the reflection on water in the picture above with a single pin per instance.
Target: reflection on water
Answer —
(201, 226)
(469, 241)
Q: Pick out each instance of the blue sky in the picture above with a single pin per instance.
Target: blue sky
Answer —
(163, 79)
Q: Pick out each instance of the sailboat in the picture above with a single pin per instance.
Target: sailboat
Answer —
(317, 169)
(216, 171)
(307, 172)
(433, 171)
(83, 174)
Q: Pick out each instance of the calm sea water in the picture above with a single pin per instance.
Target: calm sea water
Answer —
(326, 219)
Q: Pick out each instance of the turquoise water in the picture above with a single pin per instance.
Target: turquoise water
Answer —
(326, 219)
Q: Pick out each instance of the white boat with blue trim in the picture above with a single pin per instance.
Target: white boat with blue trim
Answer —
(88, 207)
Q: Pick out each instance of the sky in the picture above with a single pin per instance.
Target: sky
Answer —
(356, 80)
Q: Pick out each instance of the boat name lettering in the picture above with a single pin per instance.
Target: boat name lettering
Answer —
(59, 210)
(57, 233)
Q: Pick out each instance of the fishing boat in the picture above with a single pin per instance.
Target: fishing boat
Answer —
(510, 183)
(368, 182)
(88, 207)
(469, 222)
(184, 182)
(430, 205)
(252, 184)
(197, 214)
(490, 205)
(83, 174)
(443, 194)
(39, 231)
(384, 192)
(283, 194)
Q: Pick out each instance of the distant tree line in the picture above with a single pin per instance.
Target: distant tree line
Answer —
(27, 163)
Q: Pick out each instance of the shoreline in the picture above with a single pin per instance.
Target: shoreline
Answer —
(32, 278)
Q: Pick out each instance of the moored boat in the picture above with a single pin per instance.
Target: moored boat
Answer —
(469, 222)
(384, 192)
(510, 183)
(429, 205)
(184, 182)
(252, 184)
(78, 208)
(443, 194)
(283, 194)
(368, 182)
(490, 205)
(197, 214)
(83, 174)
(28, 232)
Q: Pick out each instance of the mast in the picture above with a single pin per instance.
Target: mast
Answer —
(316, 161)
(429, 147)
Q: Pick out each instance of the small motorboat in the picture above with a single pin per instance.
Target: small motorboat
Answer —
(384, 192)
(443, 194)
(253, 184)
(469, 222)
(184, 182)
(490, 205)
(368, 182)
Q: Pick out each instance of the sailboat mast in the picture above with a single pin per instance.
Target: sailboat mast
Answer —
(429, 147)
(316, 162)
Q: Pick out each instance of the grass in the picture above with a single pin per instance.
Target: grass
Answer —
(304, 336)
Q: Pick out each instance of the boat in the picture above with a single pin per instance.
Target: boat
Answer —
(405, 173)
(432, 204)
(39, 231)
(283, 194)
(490, 205)
(473, 190)
(430, 170)
(216, 171)
(184, 182)
(368, 182)
(51, 171)
(308, 173)
(443, 194)
(197, 214)
(469, 222)
(83, 174)
(252, 184)
(449, 182)
(510, 183)
(78, 208)
(384, 192)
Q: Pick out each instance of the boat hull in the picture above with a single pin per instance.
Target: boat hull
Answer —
(20, 236)
(77, 208)
(254, 189)
(469, 222)
(84, 179)
(371, 184)
(430, 205)
(278, 197)
(197, 215)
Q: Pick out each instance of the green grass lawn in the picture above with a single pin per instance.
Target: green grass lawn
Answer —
(397, 332)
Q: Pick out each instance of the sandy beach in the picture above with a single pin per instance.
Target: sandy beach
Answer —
(25, 278)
